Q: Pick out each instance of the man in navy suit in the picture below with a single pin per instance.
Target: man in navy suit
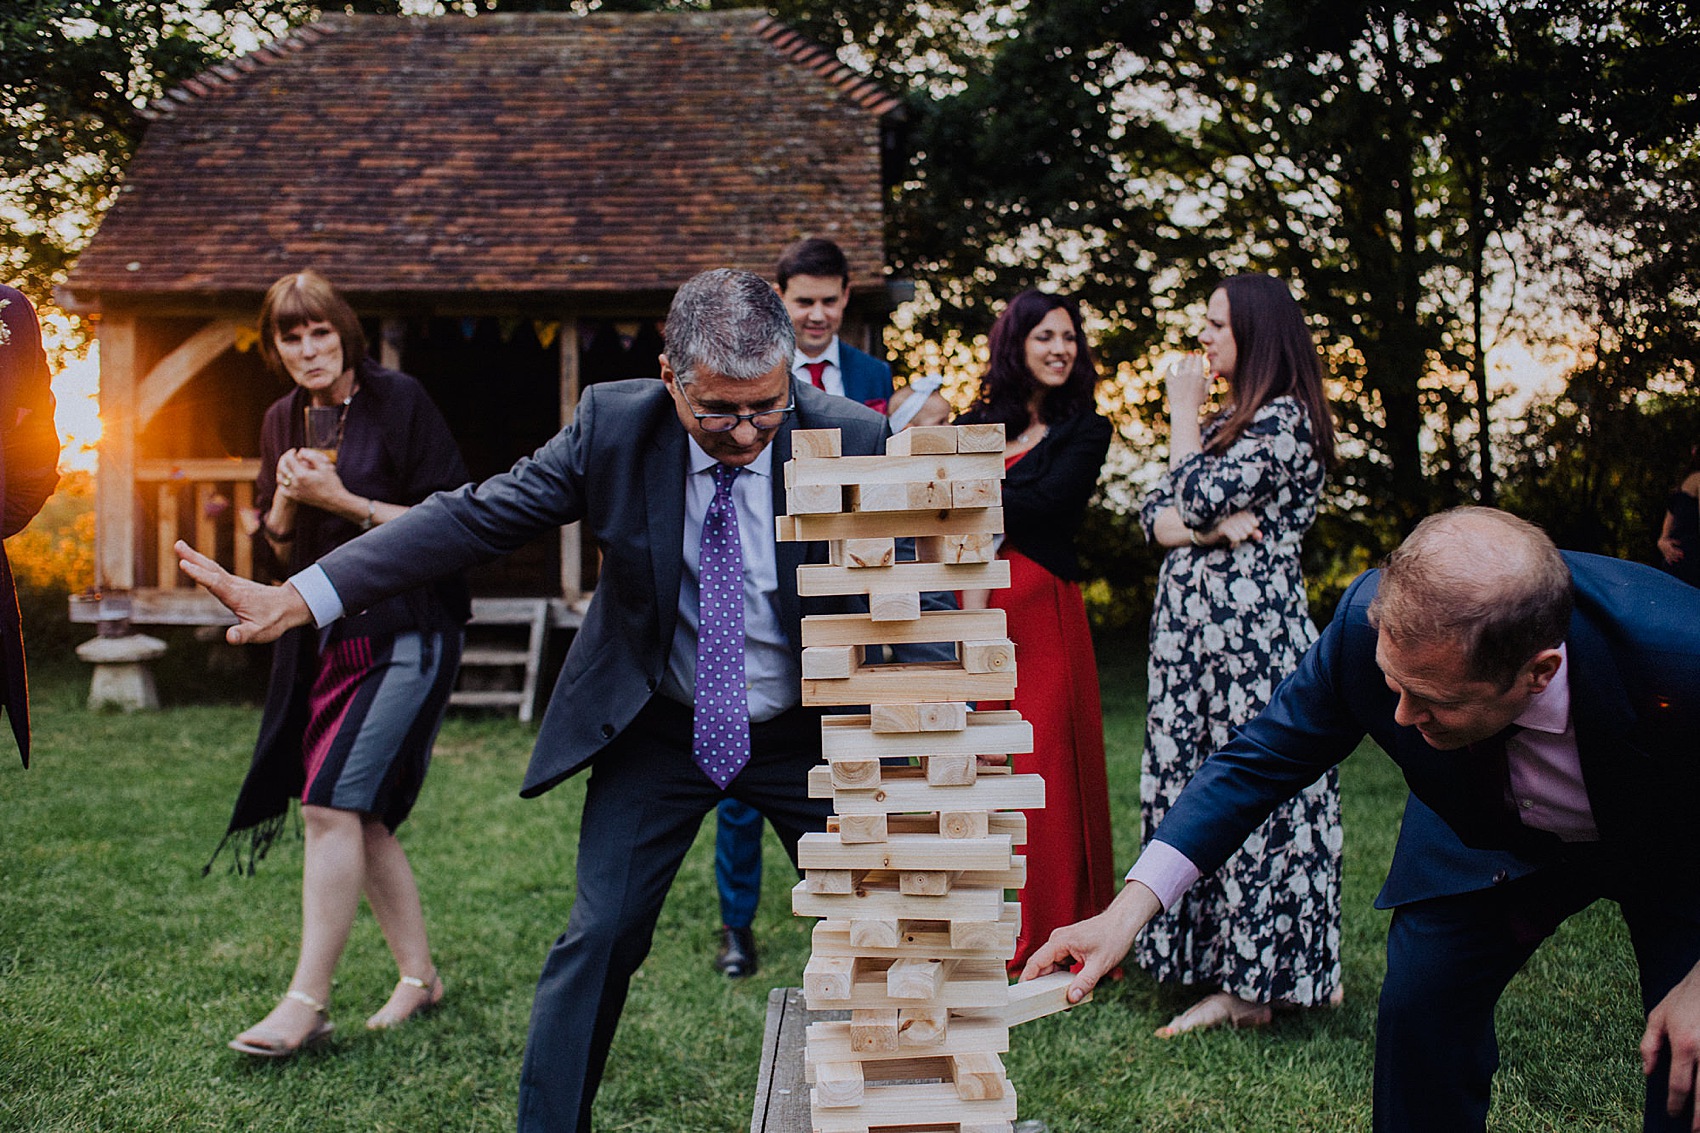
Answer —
(1545, 710)
(650, 467)
(813, 277)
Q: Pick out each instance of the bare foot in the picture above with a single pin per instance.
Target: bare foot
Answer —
(411, 997)
(1218, 1010)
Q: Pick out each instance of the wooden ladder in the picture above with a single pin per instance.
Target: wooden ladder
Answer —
(530, 613)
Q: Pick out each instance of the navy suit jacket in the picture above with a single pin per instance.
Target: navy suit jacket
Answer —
(620, 467)
(1634, 672)
(866, 378)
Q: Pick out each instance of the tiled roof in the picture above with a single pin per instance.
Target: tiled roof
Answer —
(530, 153)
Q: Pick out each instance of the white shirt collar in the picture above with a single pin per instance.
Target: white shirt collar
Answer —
(830, 354)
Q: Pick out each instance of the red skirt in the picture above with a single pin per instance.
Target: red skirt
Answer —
(1070, 873)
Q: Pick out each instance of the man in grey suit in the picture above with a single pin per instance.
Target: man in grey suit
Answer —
(663, 474)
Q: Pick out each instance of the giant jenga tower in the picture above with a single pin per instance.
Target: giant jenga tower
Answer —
(911, 873)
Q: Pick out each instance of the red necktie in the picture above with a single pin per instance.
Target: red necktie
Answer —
(816, 369)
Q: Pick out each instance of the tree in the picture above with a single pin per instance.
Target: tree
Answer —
(1381, 157)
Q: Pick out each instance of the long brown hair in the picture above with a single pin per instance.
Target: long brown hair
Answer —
(1007, 385)
(1275, 356)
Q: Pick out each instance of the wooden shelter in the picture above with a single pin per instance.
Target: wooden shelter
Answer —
(509, 202)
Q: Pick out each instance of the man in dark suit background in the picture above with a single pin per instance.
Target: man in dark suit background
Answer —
(1545, 710)
(656, 470)
(29, 471)
(813, 277)
(814, 280)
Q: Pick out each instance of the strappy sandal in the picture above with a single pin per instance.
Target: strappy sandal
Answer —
(433, 989)
(264, 1044)
(1218, 1010)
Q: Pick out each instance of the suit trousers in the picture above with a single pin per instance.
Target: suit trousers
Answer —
(1450, 958)
(643, 805)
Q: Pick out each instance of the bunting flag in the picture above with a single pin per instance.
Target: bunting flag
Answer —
(247, 338)
(545, 330)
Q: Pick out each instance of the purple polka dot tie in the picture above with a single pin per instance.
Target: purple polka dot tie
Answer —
(720, 740)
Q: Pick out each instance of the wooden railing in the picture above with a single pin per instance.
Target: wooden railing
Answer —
(209, 480)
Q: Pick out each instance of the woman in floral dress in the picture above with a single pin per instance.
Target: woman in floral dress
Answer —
(1231, 621)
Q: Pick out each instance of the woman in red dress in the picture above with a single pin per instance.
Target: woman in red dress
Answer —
(1040, 386)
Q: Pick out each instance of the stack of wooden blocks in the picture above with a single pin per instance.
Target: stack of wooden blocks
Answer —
(911, 873)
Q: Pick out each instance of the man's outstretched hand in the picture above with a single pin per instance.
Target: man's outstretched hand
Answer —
(1675, 1023)
(1099, 942)
(263, 613)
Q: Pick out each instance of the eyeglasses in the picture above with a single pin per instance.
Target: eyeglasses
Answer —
(763, 420)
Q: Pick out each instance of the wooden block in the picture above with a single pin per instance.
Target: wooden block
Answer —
(963, 823)
(1037, 998)
(830, 880)
(888, 524)
(933, 625)
(980, 986)
(920, 1030)
(869, 903)
(870, 934)
(839, 1084)
(861, 470)
(874, 1030)
(895, 607)
(912, 1106)
(985, 656)
(922, 1027)
(814, 499)
(907, 683)
(921, 495)
(863, 554)
(925, 882)
(985, 1127)
(976, 493)
(816, 850)
(855, 828)
(977, 1076)
(905, 789)
(980, 940)
(828, 978)
(816, 580)
(970, 936)
(916, 978)
(918, 440)
(818, 443)
(970, 547)
(980, 438)
(903, 718)
(953, 770)
(1011, 822)
(825, 662)
(984, 733)
(855, 774)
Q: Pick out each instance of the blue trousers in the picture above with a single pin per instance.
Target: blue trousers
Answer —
(1450, 958)
(737, 862)
(643, 805)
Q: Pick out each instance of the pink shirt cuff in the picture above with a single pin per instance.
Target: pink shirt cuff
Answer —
(1165, 871)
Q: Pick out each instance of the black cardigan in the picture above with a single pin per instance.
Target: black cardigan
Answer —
(1046, 492)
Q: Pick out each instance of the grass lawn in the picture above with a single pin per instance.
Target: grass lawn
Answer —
(123, 971)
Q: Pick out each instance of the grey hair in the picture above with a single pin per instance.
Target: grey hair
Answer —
(728, 322)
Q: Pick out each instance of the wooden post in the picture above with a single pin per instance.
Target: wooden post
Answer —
(115, 505)
(572, 537)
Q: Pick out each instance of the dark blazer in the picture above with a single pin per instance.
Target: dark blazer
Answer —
(29, 471)
(866, 378)
(1634, 672)
(1046, 492)
(620, 467)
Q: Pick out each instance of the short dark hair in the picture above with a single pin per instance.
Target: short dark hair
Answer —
(1479, 579)
(815, 255)
(303, 297)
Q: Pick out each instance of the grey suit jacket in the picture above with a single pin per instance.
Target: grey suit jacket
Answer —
(620, 467)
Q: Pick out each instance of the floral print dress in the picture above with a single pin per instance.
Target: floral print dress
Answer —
(1228, 626)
